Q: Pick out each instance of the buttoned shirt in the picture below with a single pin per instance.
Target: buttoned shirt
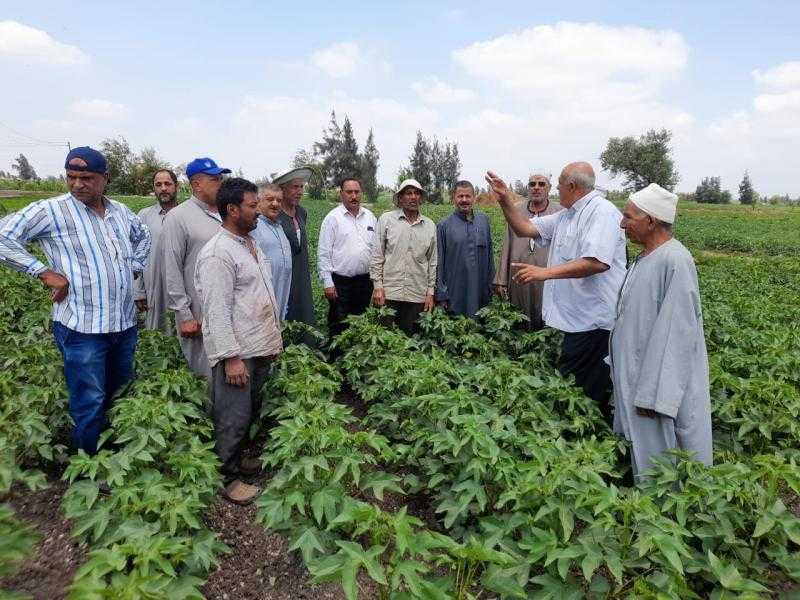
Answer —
(272, 240)
(588, 229)
(404, 257)
(240, 314)
(98, 255)
(345, 243)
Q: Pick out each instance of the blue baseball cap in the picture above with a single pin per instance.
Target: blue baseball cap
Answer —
(89, 160)
(204, 165)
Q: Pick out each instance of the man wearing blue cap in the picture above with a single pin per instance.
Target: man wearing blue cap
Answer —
(95, 248)
(187, 228)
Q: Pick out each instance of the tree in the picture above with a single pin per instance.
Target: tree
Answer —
(23, 168)
(120, 161)
(747, 195)
(328, 150)
(438, 175)
(710, 192)
(348, 161)
(369, 168)
(420, 162)
(452, 166)
(641, 161)
(142, 171)
(519, 188)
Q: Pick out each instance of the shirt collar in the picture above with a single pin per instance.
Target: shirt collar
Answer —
(233, 236)
(583, 201)
(402, 215)
(346, 212)
(109, 204)
(463, 217)
(266, 220)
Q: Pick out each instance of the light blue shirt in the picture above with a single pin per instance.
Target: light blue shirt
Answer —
(274, 244)
(98, 256)
(588, 229)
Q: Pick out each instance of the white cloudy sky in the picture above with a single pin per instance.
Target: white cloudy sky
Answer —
(534, 87)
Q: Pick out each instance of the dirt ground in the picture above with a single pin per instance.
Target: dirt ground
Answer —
(47, 573)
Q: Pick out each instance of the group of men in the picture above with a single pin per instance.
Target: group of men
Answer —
(232, 262)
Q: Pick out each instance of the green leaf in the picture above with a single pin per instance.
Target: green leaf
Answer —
(309, 544)
(764, 525)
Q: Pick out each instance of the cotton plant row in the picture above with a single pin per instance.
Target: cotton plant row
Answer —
(33, 421)
(139, 501)
(753, 336)
(512, 455)
(329, 491)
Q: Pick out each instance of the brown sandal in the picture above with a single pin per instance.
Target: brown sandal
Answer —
(240, 493)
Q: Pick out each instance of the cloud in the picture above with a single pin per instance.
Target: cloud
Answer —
(434, 91)
(566, 57)
(338, 60)
(21, 42)
(782, 77)
(99, 109)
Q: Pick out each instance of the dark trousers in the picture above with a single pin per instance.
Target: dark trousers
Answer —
(582, 356)
(353, 297)
(233, 410)
(96, 367)
(406, 314)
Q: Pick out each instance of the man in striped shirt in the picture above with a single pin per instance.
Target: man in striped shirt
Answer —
(95, 248)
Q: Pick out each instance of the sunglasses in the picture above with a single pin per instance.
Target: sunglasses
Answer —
(533, 184)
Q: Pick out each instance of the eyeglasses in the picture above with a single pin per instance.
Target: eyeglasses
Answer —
(533, 184)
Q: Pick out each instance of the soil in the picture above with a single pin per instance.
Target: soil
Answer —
(260, 567)
(47, 572)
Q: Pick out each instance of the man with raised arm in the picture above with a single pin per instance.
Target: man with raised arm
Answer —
(583, 275)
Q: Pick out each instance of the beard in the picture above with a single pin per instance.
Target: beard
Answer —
(166, 198)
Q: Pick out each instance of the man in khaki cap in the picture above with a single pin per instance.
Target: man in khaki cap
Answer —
(659, 364)
(404, 258)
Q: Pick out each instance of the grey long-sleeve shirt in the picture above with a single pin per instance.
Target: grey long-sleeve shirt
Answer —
(240, 313)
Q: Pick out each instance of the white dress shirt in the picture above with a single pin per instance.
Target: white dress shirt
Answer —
(588, 229)
(344, 244)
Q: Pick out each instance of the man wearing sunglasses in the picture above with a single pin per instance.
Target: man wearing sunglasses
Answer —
(187, 228)
(516, 249)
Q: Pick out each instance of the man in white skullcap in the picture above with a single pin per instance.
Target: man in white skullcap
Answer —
(659, 365)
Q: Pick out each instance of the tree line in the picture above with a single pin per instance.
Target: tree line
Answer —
(436, 164)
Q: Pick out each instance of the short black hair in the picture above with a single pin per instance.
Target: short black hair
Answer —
(171, 173)
(232, 191)
(463, 183)
(344, 180)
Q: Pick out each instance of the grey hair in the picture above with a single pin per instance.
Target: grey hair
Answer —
(269, 187)
(580, 180)
(541, 173)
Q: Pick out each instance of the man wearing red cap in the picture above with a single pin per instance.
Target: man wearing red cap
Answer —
(95, 248)
(187, 228)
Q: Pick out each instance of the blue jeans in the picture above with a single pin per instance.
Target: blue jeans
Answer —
(96, 366)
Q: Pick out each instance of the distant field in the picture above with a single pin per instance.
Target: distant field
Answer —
(766, 231)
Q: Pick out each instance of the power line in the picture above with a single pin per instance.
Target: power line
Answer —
(31, 141)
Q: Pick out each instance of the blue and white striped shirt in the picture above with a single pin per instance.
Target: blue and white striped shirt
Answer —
(98, 256)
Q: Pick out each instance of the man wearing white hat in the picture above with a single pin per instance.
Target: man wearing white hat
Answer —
(293, 219)
(403, 263)
(659, 365)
